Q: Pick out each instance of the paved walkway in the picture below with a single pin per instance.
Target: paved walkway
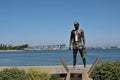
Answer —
(50, 69)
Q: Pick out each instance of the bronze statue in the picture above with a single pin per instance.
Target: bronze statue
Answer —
(77, 43)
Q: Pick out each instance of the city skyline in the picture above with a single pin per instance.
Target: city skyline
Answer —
(43, 22)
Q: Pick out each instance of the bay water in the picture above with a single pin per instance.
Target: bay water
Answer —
(51, 57)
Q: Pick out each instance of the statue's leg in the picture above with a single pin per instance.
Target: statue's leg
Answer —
(83, 56)
(74, 56)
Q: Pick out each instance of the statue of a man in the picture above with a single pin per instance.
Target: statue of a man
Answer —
(77, 43)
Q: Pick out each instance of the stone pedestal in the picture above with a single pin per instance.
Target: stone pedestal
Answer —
(78, 74)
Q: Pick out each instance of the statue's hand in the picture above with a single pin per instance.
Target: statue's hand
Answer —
(84, 47)
(70, 48)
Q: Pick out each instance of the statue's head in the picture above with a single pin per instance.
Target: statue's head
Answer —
(76, 25)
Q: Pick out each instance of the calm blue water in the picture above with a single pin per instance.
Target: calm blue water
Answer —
(50, 58)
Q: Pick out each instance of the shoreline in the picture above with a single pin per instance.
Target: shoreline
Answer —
(51, 49)
(12, 50)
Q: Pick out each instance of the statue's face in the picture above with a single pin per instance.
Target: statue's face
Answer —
(76, 26)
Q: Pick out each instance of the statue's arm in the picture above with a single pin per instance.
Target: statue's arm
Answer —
(83, 37)
(70, 42)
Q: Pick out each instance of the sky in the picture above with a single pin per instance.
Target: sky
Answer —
(47, 22)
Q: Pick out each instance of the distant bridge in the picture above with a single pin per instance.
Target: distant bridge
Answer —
(48, 47)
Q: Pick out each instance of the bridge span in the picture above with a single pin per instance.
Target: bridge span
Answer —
(47, 47)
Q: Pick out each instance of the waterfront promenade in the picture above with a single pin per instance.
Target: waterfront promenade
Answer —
(49, 69)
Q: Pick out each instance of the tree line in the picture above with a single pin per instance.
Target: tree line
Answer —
(10, 47)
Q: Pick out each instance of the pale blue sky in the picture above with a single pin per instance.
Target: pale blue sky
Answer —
(39, 22)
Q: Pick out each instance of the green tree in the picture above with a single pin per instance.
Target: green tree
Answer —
(12, 74)
(36, 74)
(107, 71)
